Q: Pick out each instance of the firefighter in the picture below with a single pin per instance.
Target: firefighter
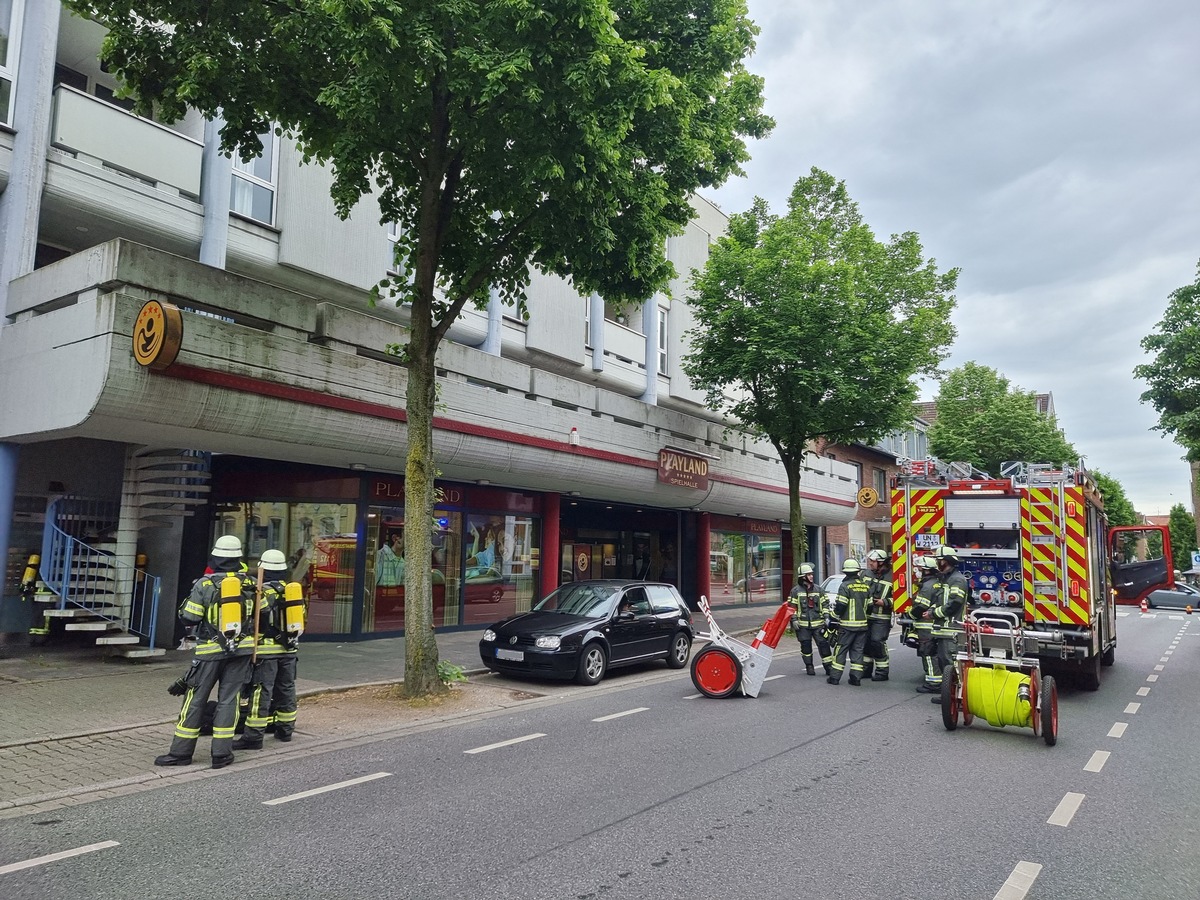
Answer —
(221, 605)
(876, 661)
(811, 620)
(289, 621)
(923, 627)
(850, 610)
(946, 611)
(269, 649)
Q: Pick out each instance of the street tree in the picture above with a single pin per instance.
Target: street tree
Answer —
(1182, 527)
(1117, 505)
(1173, 377)
(499, 135)
(809, 327)
(985, 421)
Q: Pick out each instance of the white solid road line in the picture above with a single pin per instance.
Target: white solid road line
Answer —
(773, 677)
(1096, 763)
(1067, 807)
(1143, 692)
(628, 712)
(1117, 730)
(528, 737)
(326, 789)
(1132, 708)
(55, 857)
(1019, 882)
(693, 696)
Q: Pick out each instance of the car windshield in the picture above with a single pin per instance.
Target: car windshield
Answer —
(580, 599)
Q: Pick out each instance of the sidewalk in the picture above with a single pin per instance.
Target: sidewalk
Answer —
(74, 722)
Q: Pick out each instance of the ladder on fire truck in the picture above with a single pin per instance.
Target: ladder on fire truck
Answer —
(1052, 513)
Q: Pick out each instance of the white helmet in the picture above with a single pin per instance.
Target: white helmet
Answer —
(851, 565)
(227, 546)
(273, 561)
(877, 556)
(947, 553)
(806, 569)
(925, 562)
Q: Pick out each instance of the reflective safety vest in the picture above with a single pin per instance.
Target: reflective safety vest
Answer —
(850, 607)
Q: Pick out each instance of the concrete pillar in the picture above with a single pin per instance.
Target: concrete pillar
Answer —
(596, 320)
(650, 329)
(495, 320)
(216, 174)
(20, 204)
(10, 455)
(551, 543)
(703, 560)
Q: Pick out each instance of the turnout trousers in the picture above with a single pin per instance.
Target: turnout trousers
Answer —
(262, 686)
(229, 675)
(850, 643)
(283, 696)
(806, 634)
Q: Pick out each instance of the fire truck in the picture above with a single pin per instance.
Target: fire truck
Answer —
(1037, 541)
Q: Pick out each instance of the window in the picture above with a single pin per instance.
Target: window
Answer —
(857, 472)
(879, 477)
(662, 341)
(10, 39)
(252, 191)
(623, 315)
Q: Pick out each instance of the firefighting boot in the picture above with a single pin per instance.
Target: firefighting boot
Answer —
(245, 743)
(808, 669)
(855, 681)
(168, 759)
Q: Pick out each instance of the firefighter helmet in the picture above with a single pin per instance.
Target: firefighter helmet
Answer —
(273, 561)
(925, 562)
(227, 546)
(947, 553)
(851, 566)
(877, 556)
(807, 569)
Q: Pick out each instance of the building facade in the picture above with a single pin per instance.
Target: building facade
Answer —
(187, 349)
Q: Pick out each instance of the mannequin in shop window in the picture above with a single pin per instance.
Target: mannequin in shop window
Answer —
(389, 562)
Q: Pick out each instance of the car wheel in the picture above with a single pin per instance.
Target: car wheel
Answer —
(1048, 698)
(593, 662)
(497, 595)
(681, 649)
(716, 672)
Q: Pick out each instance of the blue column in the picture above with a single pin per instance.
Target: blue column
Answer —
(216, 174)
(20, 204)
(495, 313)
(650, 329)
(10, 454)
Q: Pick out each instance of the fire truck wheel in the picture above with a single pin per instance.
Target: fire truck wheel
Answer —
(1089, 673)
(950, 698)
(681, 649)
(1049, 702)
(1110, 656)
(716, 672)
(592, 664)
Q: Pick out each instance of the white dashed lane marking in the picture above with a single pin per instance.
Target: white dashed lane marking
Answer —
(628, 712)
(1067, 807)
(325, 790)
(1143, 692)
(1117, 730)
(1159, 668)
(1152, 678)
(1096, 763)
(508, 743)
(55, 857)
(1019, 882)
(1132, 708)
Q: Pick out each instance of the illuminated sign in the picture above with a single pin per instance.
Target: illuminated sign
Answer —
(683, 469)
(157, 335)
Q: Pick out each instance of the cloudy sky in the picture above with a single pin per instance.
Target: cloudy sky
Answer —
(1051, 150)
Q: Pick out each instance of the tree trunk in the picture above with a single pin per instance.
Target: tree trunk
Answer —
(420, 647)
(796, 516)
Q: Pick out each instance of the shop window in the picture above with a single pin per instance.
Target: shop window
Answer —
(384, 589)
(498, 576)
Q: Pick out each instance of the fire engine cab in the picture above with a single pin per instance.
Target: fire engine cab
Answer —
(1035, 541)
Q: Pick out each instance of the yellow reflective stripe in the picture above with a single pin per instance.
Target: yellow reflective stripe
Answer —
(285, 717)
(219, 733)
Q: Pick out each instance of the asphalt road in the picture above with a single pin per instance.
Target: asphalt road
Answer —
(638, 788)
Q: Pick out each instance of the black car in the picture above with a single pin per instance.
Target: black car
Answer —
(582, 629)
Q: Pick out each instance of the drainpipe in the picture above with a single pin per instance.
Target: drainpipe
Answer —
(650, 329)
(20, 204)
(216, 176)
(491, 343)
(596, 322)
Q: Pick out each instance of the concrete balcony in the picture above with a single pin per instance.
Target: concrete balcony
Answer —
(111, 138)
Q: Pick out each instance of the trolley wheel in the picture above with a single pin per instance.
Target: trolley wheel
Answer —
(716, 672)
(950, 702)
(967, 716)
(1048, 701)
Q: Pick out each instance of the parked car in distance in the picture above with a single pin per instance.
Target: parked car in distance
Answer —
(584, 628)
(1178, 597)
(765, 580)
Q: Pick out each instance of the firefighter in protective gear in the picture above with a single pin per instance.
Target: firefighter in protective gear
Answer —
(876, 661)
(39, 629)
(267, 652)
(923, 627)
(850, 609)
(221, 605)
(290, 622)
(946, 612)
(810, 620)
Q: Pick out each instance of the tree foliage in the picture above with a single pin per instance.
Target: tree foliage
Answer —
(1173, 378)
(983, 420)
(565, 135)
(1117, 505)
(1182, 526)
(808, 326)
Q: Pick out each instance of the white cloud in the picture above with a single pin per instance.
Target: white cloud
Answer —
(1048, 149)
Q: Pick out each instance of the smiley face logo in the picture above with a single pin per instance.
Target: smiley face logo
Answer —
(157, 335)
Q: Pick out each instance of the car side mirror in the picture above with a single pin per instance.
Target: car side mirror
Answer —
(625, 614)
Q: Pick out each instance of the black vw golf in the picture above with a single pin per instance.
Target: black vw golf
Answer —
(582, 629)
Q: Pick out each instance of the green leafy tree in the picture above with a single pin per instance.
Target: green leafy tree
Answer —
(1182, 525)
(565, 135)
(1173, 376)
(983, 420)
(1117, 505)
(810, 327)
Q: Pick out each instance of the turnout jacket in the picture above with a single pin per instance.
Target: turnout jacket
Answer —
(927, 593)
(949, 604)
(881, 594)
(850, 606)
(201, 608)
(810, 605)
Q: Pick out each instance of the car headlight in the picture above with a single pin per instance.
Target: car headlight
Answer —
(548, 642)
(489, 635)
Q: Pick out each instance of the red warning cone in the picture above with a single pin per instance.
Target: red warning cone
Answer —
(1145, 606)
